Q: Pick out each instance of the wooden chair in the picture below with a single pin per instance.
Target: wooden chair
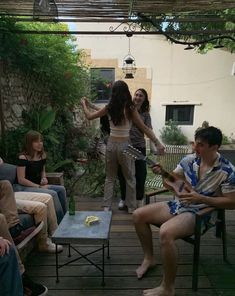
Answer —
(195, 239)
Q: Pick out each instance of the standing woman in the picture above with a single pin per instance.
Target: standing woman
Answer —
(141, 103)
(121, 112)
(31, 174)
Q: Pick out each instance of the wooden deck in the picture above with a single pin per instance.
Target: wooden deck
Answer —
(215, 276)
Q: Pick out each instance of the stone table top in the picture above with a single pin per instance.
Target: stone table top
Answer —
(72, 229)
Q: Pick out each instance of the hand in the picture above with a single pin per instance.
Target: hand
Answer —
(44, 181)
(84, 101)
(160, 150)
(192, 197)
(44, 186)
(1, 161)
(4, 246)
(157, 169)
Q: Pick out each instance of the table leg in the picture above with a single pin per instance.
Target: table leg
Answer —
(108, 255)
(57, 263)
(103, 249)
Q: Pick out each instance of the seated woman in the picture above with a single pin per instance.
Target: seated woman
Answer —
(31, 174)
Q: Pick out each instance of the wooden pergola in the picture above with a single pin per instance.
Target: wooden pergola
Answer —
(107, 10)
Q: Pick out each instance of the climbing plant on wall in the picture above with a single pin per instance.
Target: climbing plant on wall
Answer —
(51, 61)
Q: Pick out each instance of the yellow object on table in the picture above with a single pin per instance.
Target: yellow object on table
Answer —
(90, 220)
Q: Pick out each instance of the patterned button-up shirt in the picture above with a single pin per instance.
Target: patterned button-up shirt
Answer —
(218, 180)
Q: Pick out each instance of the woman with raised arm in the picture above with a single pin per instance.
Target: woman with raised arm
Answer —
(141, 101)
(121, 112)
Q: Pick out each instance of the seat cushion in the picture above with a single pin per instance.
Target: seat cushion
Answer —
(8, 172)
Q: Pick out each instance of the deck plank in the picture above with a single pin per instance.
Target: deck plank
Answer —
(215, 276)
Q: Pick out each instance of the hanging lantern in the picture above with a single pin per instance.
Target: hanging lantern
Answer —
(129, 66)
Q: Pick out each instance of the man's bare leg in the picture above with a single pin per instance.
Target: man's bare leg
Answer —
(143, 217)
(147, 245)
(177, 227)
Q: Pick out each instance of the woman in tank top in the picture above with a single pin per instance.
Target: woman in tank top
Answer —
(121, 112)
(31, 174)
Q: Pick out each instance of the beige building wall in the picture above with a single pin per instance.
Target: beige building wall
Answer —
(171, 75)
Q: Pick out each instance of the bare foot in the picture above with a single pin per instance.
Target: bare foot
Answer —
(144, 267)
(159, 291)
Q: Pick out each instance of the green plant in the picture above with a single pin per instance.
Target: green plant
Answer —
(226, 139)
(52, 64)
(172, 134)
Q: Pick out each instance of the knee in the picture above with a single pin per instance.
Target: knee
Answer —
(138, 216)
(165, 235)
(5, 185)
(42, 208)
(53, 194)
(63, 190)
(2, 219)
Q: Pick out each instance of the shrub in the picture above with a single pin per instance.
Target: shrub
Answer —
(172, 134)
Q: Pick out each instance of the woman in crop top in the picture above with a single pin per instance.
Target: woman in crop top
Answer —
(141, 101)
(121, 112)
(31, 175)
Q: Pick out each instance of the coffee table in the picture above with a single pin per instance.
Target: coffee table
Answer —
(73, 231)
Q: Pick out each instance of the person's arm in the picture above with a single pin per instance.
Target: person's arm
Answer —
(1, 161)
(149, 132)
(92, 115)
(153, 148)
(148, 122)
(44, 180)
(226, 200)
(4, 246)
(91, 105)
(21, 176)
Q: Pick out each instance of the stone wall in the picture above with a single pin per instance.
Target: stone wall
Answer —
(19, 92)
(13, 101)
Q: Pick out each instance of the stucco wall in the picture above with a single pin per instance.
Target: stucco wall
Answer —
(175, 74)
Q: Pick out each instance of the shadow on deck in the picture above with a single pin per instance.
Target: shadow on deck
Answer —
(81, 279)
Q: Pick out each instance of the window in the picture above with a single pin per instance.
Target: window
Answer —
(101, 83)
(181, 114)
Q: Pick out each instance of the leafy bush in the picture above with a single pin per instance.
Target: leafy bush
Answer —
(52, 61)
(171, 134)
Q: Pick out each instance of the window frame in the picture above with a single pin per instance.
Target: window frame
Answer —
(107, 85)
(171, 108)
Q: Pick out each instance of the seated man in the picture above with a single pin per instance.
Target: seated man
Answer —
(9, 206)
(13, 279)
(211, 180)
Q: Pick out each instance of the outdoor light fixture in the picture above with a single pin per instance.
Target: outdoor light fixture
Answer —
(44, 5)
(45, 8)
(129, 67)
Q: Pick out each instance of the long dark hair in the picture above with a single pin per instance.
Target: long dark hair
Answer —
(145, 107)
(120, 101)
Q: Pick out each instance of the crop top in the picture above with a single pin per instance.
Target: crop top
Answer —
(120, 131)
(33, 169)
